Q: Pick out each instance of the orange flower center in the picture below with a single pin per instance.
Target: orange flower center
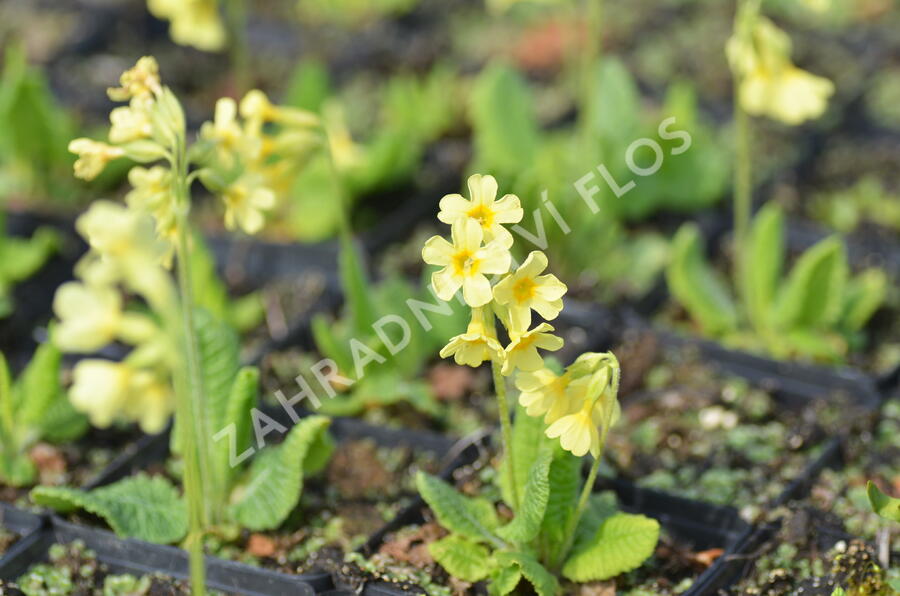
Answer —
(484, 215)
(464, 263)
(523, 290)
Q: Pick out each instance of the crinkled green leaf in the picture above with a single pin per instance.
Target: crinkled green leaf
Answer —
(527, 522)
(697, 286)
(461, 557)
(472, 518)
(884, 505)
(241, 400)
(357, 289)
(275, 481)
(814, 294)
(528, 441)
(504, 580)
(544, 582)
(622, 543)
(565, 483)
(39, 385)
(143, 507)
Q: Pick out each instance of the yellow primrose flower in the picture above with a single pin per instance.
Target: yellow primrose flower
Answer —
(791, 96)
(544, 393)
(193, 22)
(344, 151)
(768, 82)
(92, 157)
(577, 432)
(522, 352)
(152, 193)
(121, 234)
(465, 262)
(225, 131)
(150, 402)
(581, 431)
(255, 106)
(483, 208)
(129, 123)
(476, 345)
(141, 81)
(526, 289)
(100, 389)
(246, 201)
(89, 317)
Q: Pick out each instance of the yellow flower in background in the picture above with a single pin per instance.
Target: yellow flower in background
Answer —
(123, 235)
(527, 290)
(194, 23)
(89, 317)
(152, 193)
(140, 81)
(793, 96)
(100, 389)
(522, 351)
(483, 208)
(150, 403)
(478, 344)
(226, 132)
(465, 263)
(344, 151)
(130, 123)
(544, 393)
(256, 107)
(768, 82)
(246, 203)
(92, 157)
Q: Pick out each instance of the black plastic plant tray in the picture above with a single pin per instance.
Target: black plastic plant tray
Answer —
(26, 524)
(140, 558)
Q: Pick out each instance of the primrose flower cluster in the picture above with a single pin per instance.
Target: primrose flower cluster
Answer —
(578, 405)
(249, 163)
(768, 82)
(125, 253)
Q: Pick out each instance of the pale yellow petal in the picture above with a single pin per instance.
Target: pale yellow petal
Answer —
(437, 251)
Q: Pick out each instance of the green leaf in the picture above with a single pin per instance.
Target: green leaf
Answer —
(62, 422)
(764, 257)
(143, 507)
(544, 582)
(528, 441)
(864, 295)
(276, 476)
(886, 506)
(220, 362)
(565, 482)
(505, 129)
(209, 291)
(357, 290)
(331, 343)
(504, 580)
(697, 286)
(21, 258)
(622, 543)
(527, 523)
(814, 294)
(241, 400)
(309, 85)
(39, 386)
(461, 557)
(475, 519)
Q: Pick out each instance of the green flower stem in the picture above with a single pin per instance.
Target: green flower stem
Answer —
(506, 428)
(743, 160)
(236, 19)
(200, 492)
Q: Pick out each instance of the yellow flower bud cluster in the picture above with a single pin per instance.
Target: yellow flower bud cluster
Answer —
(124, 254)
(579, 404)
(768, 83)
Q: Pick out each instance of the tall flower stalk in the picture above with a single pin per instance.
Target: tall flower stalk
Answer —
(246, 163)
